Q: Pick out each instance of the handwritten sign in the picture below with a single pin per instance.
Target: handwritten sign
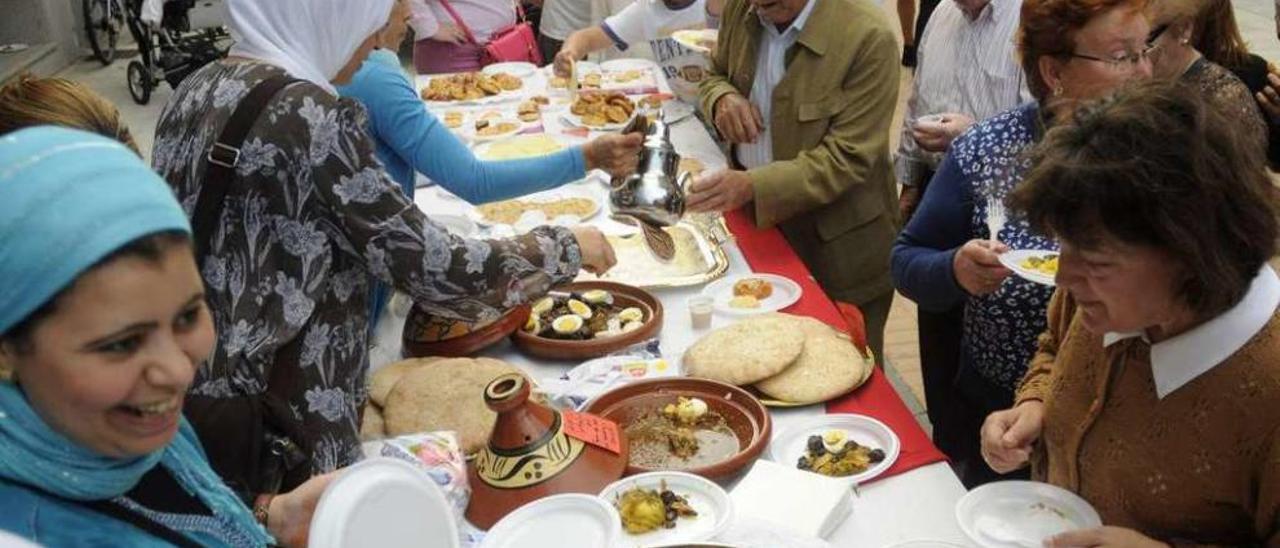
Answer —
(600, 432)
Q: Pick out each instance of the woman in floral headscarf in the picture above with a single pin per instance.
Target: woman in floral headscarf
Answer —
(309, 222)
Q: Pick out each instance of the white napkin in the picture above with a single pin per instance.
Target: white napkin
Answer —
(806, 503)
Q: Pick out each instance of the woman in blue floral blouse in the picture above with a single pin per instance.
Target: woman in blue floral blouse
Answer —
(1071, 50)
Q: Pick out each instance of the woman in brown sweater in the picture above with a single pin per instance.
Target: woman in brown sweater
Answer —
(1155, 393)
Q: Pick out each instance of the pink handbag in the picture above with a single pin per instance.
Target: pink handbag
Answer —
(512, 44)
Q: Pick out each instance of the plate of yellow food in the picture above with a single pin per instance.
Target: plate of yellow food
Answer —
(844, 447)
(663, 508)
(470, 87)
(601, 111)
(525, 146)
(1035, 265)
(700, 40)
(752, 294)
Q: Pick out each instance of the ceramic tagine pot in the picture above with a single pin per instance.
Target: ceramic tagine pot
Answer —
(530, 456)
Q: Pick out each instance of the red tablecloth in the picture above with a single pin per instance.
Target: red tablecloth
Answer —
(767, 251)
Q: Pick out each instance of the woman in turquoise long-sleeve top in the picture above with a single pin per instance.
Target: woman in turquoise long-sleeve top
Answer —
(411, 139)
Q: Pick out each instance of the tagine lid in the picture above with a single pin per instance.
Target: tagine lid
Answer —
(531, 455)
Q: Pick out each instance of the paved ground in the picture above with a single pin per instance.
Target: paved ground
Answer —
(1255, 18)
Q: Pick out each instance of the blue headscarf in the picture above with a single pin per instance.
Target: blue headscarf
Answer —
(67, 200)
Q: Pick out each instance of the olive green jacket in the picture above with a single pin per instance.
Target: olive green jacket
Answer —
(831, 185)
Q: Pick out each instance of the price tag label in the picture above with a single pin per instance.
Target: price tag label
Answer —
(591, 429)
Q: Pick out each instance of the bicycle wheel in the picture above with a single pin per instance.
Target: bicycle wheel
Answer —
(103, 20)
(141, 82)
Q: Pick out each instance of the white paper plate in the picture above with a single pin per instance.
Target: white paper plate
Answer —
(785, 293)
(690, 38)
(1013, 261)
(517, 69)
(710, 501)
(789, 445)
(1012, 514)
(383, 502)
(423, 80)
(577, 520)
(926, 543)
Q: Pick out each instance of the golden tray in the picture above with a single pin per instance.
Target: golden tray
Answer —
(700, 256)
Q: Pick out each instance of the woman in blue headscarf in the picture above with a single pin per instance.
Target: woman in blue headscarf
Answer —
(102, 323)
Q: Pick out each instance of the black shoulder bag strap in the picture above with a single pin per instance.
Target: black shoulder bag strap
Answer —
(279, 449)
(223, 157)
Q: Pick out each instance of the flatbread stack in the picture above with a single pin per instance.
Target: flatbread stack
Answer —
(791, 359)
(431, 394)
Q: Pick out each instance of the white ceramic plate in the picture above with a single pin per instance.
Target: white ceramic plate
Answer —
(789, 445)
(1014, 514)
(383, 502)
(690, 38)
(585, 521)
(710, 501)
(1013, 261)
(785, 293)
(517, 69)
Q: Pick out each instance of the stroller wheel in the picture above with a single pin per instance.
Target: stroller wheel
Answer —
(140, 82)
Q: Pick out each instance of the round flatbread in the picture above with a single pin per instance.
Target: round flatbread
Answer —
(384, 379)
(828, 367)
(746, 352)
(372, 427)
(449, 395)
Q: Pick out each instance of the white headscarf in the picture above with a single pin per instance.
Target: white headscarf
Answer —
(309, 39)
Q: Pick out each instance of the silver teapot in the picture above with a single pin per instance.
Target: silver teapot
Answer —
(655, 193)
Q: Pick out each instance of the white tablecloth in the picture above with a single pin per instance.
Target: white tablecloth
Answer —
(915, 505)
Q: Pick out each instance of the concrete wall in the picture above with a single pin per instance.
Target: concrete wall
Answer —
(44, 21)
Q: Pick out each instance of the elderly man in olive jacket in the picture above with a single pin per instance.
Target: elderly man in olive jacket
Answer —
(805, 90)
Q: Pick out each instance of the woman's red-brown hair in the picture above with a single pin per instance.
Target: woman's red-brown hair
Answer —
(1049, 27)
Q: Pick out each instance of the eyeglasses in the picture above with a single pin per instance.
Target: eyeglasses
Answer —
(1127, 61)
(1156, 33)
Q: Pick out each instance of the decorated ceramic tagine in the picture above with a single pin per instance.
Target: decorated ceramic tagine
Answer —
(536, 452)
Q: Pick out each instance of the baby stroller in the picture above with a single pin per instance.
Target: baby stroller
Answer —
(175, 38)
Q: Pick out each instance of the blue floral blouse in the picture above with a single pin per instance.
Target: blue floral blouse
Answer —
(1000, 329)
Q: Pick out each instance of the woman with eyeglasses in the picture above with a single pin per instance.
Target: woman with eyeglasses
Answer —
(1071, 51)
(1155, 392)
(1174, 36)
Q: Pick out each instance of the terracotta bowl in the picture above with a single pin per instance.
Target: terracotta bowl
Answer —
(624, 296)
(746, 416)
(425, 335)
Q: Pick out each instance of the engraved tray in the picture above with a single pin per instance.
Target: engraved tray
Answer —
(700, 257)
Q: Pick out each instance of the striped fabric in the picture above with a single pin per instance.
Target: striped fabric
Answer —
(967, 66)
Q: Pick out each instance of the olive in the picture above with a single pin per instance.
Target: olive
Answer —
(815, 445)
(668, 497)
(877, 455)
(671, 515)
(803, 463)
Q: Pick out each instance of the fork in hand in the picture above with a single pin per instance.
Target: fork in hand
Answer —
(995, 216)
